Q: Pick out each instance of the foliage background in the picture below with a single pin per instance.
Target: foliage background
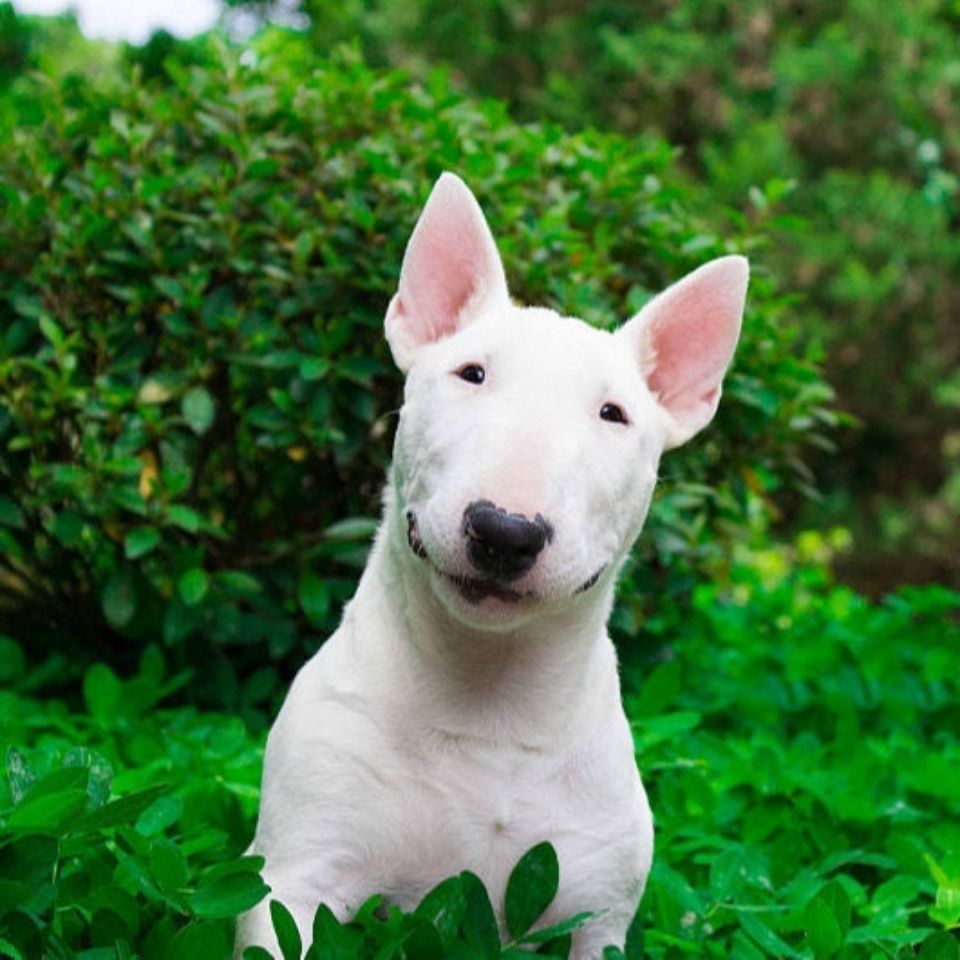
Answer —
(197, 243)
(848, 114)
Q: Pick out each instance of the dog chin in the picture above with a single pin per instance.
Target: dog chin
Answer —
(484, 604)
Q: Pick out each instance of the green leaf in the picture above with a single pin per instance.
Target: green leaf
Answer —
(165, 811)
(13, 663)
(170, 288)
(120, 599)
(51, 331)
(423, 942)
(479, 922)
(168, 866)
(531, 887)
(314, 368)
(186, 518)
(198, 410)
(443, 907)
(331, 939)
(835, 896)
(314, 598)
(7, 948)
(67, 526)
(237, 580)
(30, 860)
(947, 907)
(10, 514)
(228, 896)
(558, 929)
(285, 927)
(353, 528)
(822, 928)
(193, 586)
(761, 934)
(140, 541)
(633, 948)
(198, 940)
(122, 810)
(940, 946)
(101, 693)
(54, 812)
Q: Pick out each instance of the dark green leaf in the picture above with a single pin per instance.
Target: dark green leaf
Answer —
(198, 940)
(331, 939)
(531, 888)
(285, 927)
(479, 922)
(443, 907)
(940, 946)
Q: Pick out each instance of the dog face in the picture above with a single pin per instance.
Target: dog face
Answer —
(528, 443)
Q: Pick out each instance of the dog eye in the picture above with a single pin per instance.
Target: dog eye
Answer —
(472, 373)
(612, 413)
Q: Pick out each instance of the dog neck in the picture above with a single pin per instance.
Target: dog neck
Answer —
(530, 684)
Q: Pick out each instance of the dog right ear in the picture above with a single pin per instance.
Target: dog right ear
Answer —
(450, 271)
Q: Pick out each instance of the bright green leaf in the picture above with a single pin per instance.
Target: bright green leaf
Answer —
(228, 896)
(193, 586)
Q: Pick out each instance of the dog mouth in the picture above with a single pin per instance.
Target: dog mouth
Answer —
(477, 589)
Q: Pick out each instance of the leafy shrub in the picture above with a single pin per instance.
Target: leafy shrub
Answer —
(856, 102)
(799, 744)
(196, 397)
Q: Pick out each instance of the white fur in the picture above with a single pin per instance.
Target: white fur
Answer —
(436, 732)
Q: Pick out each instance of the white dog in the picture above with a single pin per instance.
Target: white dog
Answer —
(468, 706)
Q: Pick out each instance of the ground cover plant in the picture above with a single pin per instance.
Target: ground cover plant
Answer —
(800, 746)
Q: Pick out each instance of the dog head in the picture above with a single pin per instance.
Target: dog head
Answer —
(528, 444)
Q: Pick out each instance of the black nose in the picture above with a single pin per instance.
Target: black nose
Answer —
(503, 545)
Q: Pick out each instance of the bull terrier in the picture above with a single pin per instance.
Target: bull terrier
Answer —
(468, 706)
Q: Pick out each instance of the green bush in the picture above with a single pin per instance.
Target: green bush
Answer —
(857, 103)
(799, 744)
(197, 401)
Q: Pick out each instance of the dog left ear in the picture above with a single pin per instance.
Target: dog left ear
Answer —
(685, 339)
(450, 271)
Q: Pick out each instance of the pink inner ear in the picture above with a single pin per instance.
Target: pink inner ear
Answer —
(445, 265)
(693, 343)
(690, 335)
(451, 263)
